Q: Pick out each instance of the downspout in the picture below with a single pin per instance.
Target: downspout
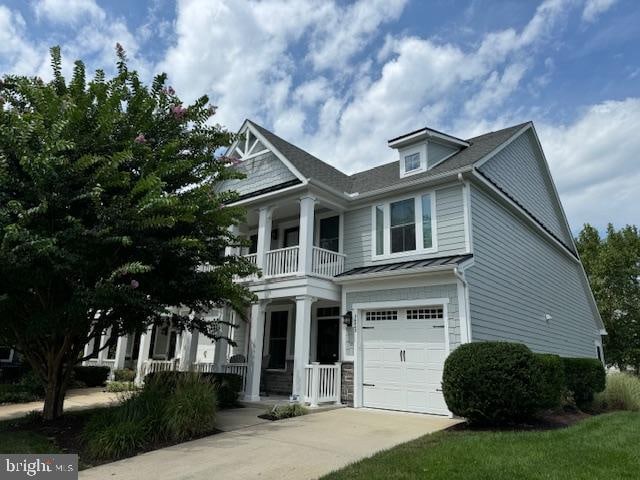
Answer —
(459, 274)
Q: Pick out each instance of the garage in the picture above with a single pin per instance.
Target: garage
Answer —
(403, 354)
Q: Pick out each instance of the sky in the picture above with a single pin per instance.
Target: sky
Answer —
(341, 78)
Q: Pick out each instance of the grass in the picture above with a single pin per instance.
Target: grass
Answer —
(26, 442)
(605, 446)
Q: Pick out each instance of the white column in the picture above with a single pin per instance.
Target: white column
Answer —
(264, 235)
(302, 344)
(307, 208)
(102, 354)
(143, 353)
(230, 251)
(256, 340)
(188, 349)
(88, 348)
(121, 352)
(222, 345)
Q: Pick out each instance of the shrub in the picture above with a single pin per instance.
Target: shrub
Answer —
(278, 412)
(109, 437)
(622, 392)
(124, 375)
(12, 393)
(115, 386)
(584, 377)
(191, 409)
(492, 382)
(553, 384)
(91, 376)
(228, 385)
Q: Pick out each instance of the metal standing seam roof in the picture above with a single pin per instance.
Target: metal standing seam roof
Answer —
(388, 174)
(452, 261)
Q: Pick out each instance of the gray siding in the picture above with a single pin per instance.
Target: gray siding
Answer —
(413, 293)
(517, 277)
(437, 151)
(449, 230)
(519, 171)
(261, 172)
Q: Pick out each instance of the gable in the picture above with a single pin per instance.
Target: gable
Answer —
(436, 152)
(520, 171)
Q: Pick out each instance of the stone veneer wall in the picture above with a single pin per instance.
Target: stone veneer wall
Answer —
(346, 396)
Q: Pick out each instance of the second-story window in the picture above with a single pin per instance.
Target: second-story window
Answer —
(412, 162)
(404, 226)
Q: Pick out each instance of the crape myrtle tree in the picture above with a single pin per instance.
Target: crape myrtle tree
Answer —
(109, 206)
(612, 263)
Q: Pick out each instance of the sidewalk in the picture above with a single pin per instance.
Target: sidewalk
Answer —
(78, 399)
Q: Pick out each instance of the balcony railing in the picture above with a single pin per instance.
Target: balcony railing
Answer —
(327, 263)
(280, 262)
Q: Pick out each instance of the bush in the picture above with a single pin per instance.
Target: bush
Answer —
(109, 437)
(553, 383)
(91, 376)
(492, 382)
(278, 412)
(584, 377)
(115, 386)
(228, 385)
(12, 393)
(191, 410)
(124, 375)
(622, 392)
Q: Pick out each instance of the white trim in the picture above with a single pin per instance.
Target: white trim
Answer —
(257, 198)
(422, 152)
(466, 207)
(422, 302)
(442, 277)
(316, 227)
(386, 206)
(11, 354)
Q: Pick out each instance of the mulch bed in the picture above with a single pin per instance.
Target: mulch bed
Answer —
(547, 421)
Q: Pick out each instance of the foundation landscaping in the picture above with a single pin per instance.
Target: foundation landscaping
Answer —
(529, 416)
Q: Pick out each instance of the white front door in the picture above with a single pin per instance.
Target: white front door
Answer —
(403, 354)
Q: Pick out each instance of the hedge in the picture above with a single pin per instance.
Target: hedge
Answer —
(584, 377)
(553, 381)
(492, 382)
(91, 376)
(228, 385)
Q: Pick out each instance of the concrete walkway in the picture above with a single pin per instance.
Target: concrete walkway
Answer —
(77, 399)
(297, 448)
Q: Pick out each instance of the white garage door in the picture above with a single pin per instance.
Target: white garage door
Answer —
(403, 354)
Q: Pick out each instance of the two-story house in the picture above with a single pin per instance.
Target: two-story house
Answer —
(370, 280)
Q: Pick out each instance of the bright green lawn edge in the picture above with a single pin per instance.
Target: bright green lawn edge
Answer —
(602, 447)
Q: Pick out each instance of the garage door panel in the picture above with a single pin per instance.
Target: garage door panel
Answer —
(388, 397)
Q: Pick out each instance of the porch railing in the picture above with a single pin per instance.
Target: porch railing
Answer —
(153, 366)
(322, 383)
(238, 369)
(205, 367)
(105, 362)
(327, 263)
(283, 261)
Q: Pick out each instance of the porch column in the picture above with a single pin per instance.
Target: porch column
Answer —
(232, 251)
(102, 354)
(143, 353)
(88, 348)
(264, 236)
(305, 259)
(121, 351)
(302, 344)
(222, 345)
(256, 340)
(188, 349)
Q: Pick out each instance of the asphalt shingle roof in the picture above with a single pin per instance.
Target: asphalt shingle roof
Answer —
(388, 174)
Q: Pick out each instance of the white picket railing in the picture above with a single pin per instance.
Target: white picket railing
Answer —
(322, 383)
(327, 263)
(153, 366)
(283, 261)
(204, 367)
(105, 362)
(238, 369)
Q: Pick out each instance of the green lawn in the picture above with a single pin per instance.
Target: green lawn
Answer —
(26, 442)
(602, 447)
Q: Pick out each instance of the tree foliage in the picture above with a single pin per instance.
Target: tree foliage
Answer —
(612, 264)
(108, 207)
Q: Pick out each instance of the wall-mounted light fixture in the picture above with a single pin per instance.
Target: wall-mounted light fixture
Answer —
(347, 318)
(548, 317)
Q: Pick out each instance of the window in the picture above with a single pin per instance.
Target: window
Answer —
(427, 234)
(382, 315)
(330, 233)
(6, 354)
(406, 225)
(291, 237)
(412, 162)
(403, 226)
(379, 230)
(278, 339)
(328, 312)
(424, 313)
(253, 245)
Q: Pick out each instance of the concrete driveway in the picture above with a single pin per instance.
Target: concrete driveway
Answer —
(297, 448)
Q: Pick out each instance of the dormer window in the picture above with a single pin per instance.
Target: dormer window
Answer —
(413, 160)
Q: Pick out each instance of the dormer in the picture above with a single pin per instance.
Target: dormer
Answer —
(423, 149)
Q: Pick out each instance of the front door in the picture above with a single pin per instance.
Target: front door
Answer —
(328, 340)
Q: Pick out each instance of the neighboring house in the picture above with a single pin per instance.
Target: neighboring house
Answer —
(370, 280)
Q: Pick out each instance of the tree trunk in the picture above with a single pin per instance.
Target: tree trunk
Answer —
(57, 381)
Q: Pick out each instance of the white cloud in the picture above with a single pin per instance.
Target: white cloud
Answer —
(68, 11)
(17, 54)
(596, 164)
(594, 8)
